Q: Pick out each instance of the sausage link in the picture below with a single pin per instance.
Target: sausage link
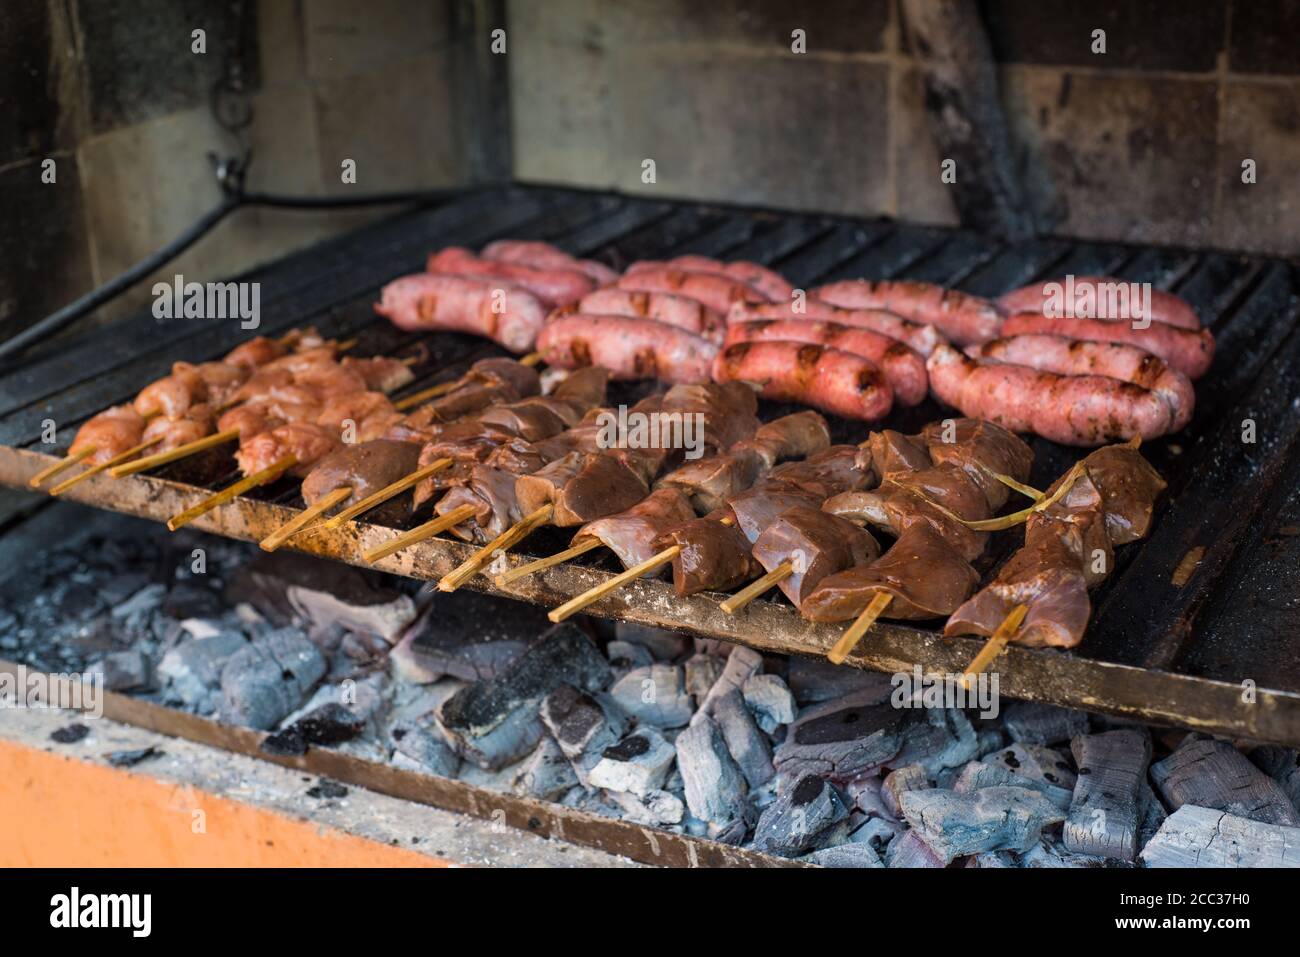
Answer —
(767, 281)
(961, 317)
(629, 348)
(1190, 352)
(1165, 306)
(556, 287)
(715, 291)
(827, 379)
(915, 335)
(545, 256)
(680, 311)
(461, 304)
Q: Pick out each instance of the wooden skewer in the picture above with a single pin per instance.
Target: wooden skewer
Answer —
(65, 463)
(592, 595)
(96, 469)
(268, 474)
(171, 455)
(442, 388)
(385, 493)
(755, 588)
(507, 539)
(860, 627)
(420, 533)
(299, 522)
(993, 647)
(523, 571)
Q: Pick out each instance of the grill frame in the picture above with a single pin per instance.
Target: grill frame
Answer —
(1155, 651)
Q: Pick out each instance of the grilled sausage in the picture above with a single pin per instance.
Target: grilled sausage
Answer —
(904, 369)
(824, 378)
(715, 291)
(629, 348)
(500, 311)
(680, 311)
(1165, 306)
(767, 281)
(556, 287)
(1111, 359)
(545, 256)
(915, 335)
(961, 317)
(1189, 352)
(1072, 410)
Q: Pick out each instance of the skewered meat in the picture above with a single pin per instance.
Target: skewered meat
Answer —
(769, 282)
(192, 424)
(111, 433)
(1111, 359)
(823, 378)
(917, 336)
(1092, 292)
(963, 318)
(893, 451)
(220, 380)
(505, 313)
(1072, 410)
(255, 352)
(816, 544)
(380, 373)
(1189, 351)
(491, 491)
(249, 419)
(356, 408)
(545, 256)
(365, 467)
(173, 394)
(840, 468)
(716, 291)
(904, 369)
(980, 447)
(714, 555)
(629, 348)
(309, 442)
(522, 380)
(631, 534)
(582, 487)
(680, 311)
(555, 287)
(729, 410)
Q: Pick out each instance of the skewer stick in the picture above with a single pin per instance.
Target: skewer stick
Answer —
(755, 588)
(65, 463)
(299, 522)
(442, 388)
(96, 469)
(385, 493)
(849, 640)
(523, 571)
(268, 474)
(171, 455)
(420, 533)
(507, 539)
(592, 595)
(993, 647)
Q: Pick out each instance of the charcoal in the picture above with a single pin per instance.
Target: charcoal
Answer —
(656, 808)
(1213, 774)
(865, 793)
(938, 738)
(845, 855)
(142, 603)
(1153, 813)
(638, 764)
(131, 757)
(843, 738)
(546, 773)
(911, 777)
(117, 589)
(701, 672)
(1034, 761)
(468, 636)
(192, 670)
(742, 664)
(1106, 808)
(816, 680)
(495, 721)
(664, 645)
(188, 600)
(327, 725)
(368, 698)
(989, 819)
(770, 700)
(69, 734)
(1032, 723)
(978, 775)
(654, 695)
(624, 654)
(326, 790)
(908, 850)
(993, 860)
(1203, 837)
(263, 681)
(1049, 854)
(988, 740)
(715, 788)
(582, 725)
(1282, 765)
(799, 817)
(747, 744)
(426, 749)
(878, 832)
(124, 670)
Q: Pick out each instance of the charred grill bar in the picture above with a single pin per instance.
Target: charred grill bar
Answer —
(1206, 603)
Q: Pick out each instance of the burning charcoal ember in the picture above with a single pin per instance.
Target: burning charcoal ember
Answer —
(368, 698)
(188, 600)
(988, 740)
(582, 726)
(993, 860)
(495, 722)
(714, 786)
(1036, 762)
(657, 808)
(639, 764)
(770, 700)
(654, 695)
(742, 664)
(466, 635)
(327, 725)
(263, 681)
(845, 855)
(129, 759)
(69, 734)
(1203, 837)
(191, 671)
(545, 774)
(426, 749)
(144, 602)
(911, 777)
(1282, 765)
(800, 818)
(943, 738)
(1050, 854)
(1153, 813)
(814, 680)
(747, 744)
(978, 775)
(878, 832)
(841, 739)
(1213, 774)
(701, 672)
(864, 792)
(124, 670)
(989, 819)
(1106, 808)
(625, 655)
(664, 645)
(908, 850)
(1032, 723)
